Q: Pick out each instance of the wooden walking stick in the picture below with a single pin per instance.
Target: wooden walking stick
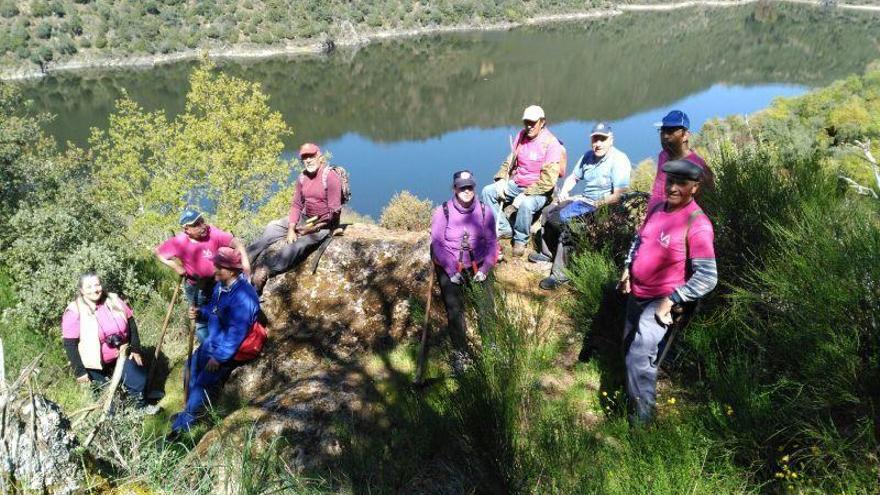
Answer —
(423, 346)
(111, 391)
(188, 370)
(162, 335)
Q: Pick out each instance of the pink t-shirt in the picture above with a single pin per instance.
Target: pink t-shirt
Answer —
(108, 324)
(658, 190)
(659, 265)
(197, 256)
(532, 155)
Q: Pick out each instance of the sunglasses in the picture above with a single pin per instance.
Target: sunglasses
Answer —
(465, 188)
(528, 124)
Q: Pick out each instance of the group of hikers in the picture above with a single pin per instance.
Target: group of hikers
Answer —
(670, 265)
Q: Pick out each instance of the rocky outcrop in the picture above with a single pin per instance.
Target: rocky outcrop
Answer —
(38, 447)
(360, 298)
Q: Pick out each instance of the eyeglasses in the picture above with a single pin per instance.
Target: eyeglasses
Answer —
(598, 137)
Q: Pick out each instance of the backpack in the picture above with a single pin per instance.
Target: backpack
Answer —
(344, 181)
(252, 345)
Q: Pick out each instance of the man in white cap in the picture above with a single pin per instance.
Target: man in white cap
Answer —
(605, 172)
(526, 179)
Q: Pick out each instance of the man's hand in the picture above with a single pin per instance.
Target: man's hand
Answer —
(518, 200)
(136, 357)
(664, 312)
(193, 312)
(455, 279)
(212, 365)
(501, 188)
(179, 269)
(479, 277)
(291, 234)
(83, 379)
(623, 285)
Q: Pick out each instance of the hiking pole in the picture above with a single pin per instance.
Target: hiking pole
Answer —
(115, 379)
(188, 370)
(423, 345)
(678, 322)
(162, 335)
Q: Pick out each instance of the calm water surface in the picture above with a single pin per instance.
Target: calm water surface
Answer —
(406, 114)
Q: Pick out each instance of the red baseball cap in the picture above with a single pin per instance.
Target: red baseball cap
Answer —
(309, 149)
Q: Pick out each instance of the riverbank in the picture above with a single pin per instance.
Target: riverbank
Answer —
(350, 37)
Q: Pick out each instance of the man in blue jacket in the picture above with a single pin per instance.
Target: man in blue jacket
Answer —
(230, 315)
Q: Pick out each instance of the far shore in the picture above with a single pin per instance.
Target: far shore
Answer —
(353, 39)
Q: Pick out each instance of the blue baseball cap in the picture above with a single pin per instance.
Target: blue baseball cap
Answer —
(189, 216)
(601, 129)
(675, 118)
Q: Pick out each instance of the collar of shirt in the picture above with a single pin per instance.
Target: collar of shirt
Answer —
(230, 287)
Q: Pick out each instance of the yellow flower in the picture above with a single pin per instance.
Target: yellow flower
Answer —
(671, 400)
(784, 458)
(815, 450)
(604, 394)
(780, 475)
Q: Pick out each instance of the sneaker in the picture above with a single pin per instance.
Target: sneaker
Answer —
(551, 283)
(150, 409)
(518, 249)
(539, 258)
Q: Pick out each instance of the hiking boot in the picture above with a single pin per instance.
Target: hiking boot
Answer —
(259, 278)
(552, 283)
(518, 249)
(539, 258)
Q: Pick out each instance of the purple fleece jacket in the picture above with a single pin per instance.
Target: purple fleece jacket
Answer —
(478, 222)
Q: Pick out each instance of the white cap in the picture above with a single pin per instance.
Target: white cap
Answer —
(533, 113)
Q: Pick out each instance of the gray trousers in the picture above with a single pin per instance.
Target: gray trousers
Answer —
(289, 255)
(644, 335)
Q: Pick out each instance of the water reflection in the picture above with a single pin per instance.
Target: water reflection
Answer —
(408, 110)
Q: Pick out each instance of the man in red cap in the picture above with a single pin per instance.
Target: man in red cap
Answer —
(314, 213)
(230, 315)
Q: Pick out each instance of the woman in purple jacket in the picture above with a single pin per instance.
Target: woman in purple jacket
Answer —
(464, 248)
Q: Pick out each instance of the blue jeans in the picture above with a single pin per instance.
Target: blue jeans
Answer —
(531, 205)
(134, 378)
(198, 295)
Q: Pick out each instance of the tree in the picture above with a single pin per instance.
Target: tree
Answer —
(224, 151)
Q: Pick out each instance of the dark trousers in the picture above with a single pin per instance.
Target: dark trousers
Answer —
(289, 255)
(454, 300)
(134, 378)
(557, 240)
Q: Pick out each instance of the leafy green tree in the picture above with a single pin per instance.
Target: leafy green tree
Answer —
(224, 151)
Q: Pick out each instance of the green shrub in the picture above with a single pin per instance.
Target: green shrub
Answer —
(406, 212)
(8, 8)
(43, 31)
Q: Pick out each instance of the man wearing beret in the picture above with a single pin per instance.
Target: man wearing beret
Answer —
(229, 315)
(671, 262)
(191, 253)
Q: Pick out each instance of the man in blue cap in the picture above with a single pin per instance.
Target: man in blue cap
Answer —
(675, 137)
(605, 172)
(191, 255)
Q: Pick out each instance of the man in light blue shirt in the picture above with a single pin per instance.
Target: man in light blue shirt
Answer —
(605, 172)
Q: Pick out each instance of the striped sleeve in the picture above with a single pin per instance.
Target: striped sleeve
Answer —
(703, 280)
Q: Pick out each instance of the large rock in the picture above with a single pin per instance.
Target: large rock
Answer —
(320, 327)
(38, 448)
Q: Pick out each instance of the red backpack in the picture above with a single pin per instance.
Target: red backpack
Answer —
(252, 345)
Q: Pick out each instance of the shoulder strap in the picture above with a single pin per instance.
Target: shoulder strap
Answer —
(446, 210)
(324, 175)
(694, 214)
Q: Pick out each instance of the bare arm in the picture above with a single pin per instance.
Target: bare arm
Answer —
(171, 262)
(245, 261)
(613, 198)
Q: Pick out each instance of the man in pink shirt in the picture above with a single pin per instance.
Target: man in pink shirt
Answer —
(191, 255)
(675, 137)
(314, 214)
(671, 262)
(526, 179)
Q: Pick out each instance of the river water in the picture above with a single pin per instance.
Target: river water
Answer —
(405, 114)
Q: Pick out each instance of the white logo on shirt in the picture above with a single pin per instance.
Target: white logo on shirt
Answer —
(207, 253)
(664, 239)
(533, 155)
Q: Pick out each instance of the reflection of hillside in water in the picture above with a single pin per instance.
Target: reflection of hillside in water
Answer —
(603, 69)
